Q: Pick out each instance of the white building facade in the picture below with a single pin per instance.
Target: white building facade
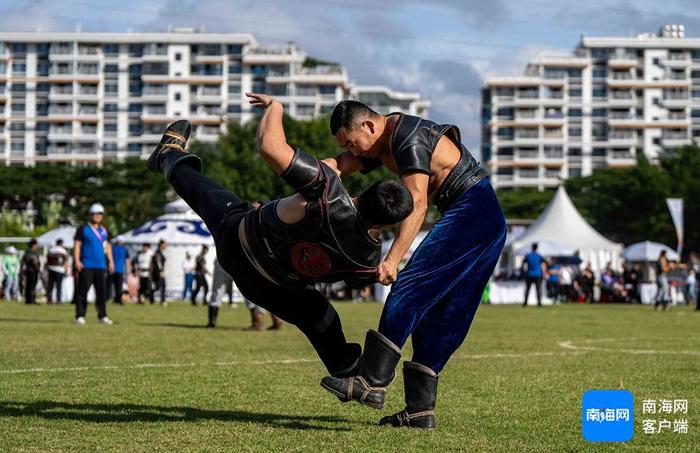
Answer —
(612, 100)
(83, 98)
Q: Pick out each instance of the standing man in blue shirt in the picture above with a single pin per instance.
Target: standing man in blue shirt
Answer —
(92, 255)
(120, 254)
(533, 269)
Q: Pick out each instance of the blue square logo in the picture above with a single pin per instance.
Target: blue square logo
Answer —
(607, 415)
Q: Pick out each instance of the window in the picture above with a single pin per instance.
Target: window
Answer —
(234, 108)
(17, 146)
(600, 73)
(135, 50)
(574, 172)
(111, 49)
(575, 73)
(134, 147)
(575, 113)
(600, 92)
(574, 131)
(109, 147)
(599, 112)
(695, 113)
(42, 48)
(234, 89)
(18, 107)
(574, 151)
(17, 127)
(327, 89)
(135, 129)
(19, 87)
(178, 96)
(575, 92)
(42, 87)
(111, 89)
(18, 48)
(110, 107)
(135, 108)
(111, 68)
(234, 69)
(235, 49)
(110, 127)
(178, 56)
(656, 61)
(599, 152)
(19, 67)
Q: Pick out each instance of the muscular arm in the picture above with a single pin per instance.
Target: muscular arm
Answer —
(272, 143)
(344, 163)
(417, 183)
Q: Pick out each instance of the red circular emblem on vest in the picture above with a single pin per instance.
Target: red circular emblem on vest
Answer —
(310, 260)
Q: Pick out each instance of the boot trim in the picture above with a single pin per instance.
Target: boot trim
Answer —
(420, 368)
(384, 340)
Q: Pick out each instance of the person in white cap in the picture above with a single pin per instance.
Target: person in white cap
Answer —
(92, 255)
(10, 268)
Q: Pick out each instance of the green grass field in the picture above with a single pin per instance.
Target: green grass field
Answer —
(157, 380)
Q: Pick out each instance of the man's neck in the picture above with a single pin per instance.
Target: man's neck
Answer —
(93, 224)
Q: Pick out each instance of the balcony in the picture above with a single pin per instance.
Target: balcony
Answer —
(674, 140)
(671, 101)
(676, 60)
(623, 61)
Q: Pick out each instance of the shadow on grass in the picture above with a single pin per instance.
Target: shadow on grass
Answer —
(37, 321)
(185, 326)
(124, 413)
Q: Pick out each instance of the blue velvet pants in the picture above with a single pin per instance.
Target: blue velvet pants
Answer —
(436, 295)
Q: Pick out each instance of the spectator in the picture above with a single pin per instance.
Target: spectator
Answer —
(553, 274)
(587, 282)
(533, 270)
(691, 287)
(92, 255)
(120, 254)
(143, 267)
(158, 272)
(663, 290)
(200, 275)
(30, 267)
(188, 270)
(630, 278)
(57, 266)
(10, 268)
(566, 281)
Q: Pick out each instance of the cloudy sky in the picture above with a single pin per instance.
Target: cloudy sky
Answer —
(441, 48)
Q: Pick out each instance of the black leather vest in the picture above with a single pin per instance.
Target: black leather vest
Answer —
(328, 245)
(412, 144)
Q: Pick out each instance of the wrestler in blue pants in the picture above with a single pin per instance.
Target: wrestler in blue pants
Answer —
(434, 300)
(437, 294)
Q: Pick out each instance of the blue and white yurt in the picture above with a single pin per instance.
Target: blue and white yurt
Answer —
(184, 231)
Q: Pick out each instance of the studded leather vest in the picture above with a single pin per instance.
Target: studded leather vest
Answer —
(412, 144)
(328, 245)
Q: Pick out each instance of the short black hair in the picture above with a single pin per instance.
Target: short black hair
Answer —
(385, 203)
(346, 113)
(59, 241)
(534, 246)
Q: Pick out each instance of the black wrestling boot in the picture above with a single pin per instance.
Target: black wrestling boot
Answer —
(378, 362)
(170, 152)
(213, 314)
(420, 384)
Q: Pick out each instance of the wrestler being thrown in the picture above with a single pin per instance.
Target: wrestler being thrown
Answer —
(276, 252)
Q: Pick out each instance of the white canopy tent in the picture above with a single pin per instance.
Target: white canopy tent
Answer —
(562, 223)
(65, 232)
(184, 231)
(648, 251)
(545, 248)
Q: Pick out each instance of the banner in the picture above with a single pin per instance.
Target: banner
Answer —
(675, 205)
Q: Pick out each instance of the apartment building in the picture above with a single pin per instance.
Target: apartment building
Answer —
(82, 98)
(600, 107)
